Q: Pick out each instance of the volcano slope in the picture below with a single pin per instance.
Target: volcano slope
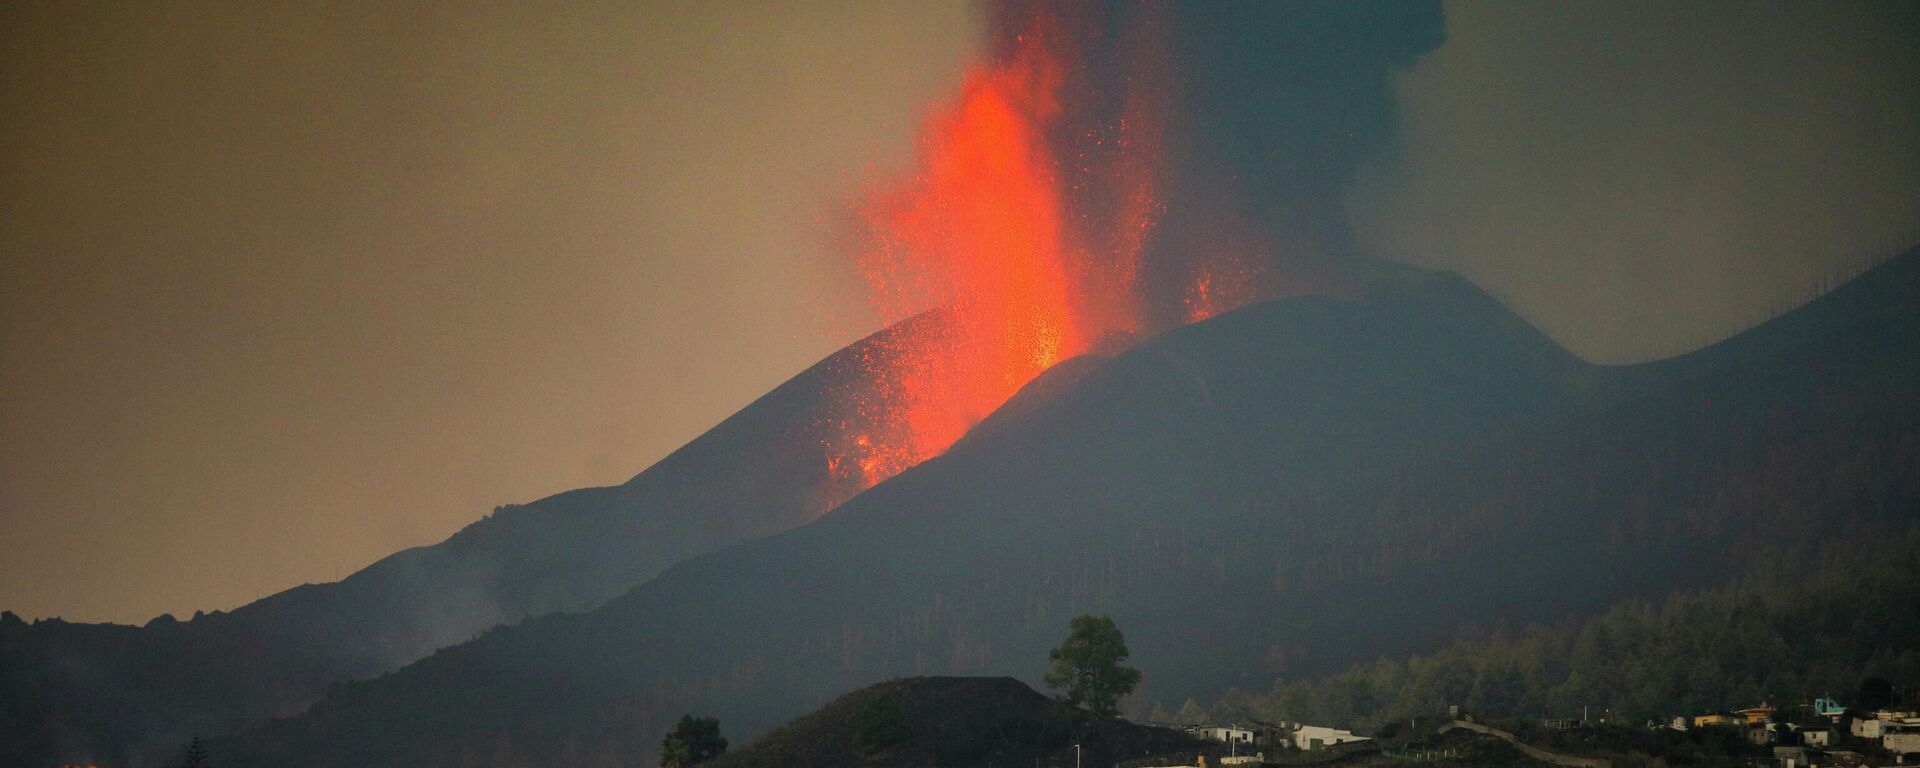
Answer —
(103, 693)
(1281, 490)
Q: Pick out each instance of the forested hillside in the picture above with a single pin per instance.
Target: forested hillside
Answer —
(1784, 635)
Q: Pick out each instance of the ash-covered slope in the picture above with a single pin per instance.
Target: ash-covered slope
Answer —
(954, 722)
(1278, 491)
(106, 693)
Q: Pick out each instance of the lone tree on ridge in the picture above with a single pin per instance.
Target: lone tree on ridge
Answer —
(1088, 666)
(695, 741)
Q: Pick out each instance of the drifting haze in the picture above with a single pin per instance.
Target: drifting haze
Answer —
(290, 287)
(1642, 178)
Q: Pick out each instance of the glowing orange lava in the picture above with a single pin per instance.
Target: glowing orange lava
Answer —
(980, 230)
(1226, 280)
(1028, 241)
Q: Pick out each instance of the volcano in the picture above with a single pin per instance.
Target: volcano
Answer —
(1277, 491)
(112, 691)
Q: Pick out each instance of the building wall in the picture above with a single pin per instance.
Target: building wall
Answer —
(1318, 737)
(1225, 734)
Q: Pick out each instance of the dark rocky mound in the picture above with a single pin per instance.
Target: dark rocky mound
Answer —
(953, 722)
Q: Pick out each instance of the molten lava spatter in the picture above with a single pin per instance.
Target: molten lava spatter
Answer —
(980, 231)
(1226, 280)
(1023, 228)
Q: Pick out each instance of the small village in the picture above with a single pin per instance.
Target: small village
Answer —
(1815, 734)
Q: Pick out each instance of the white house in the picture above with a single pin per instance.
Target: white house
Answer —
(1899, 732)
(1905, 721)
(1311, 737)
(1816, 737)
(1884, 722)
(1225, 734)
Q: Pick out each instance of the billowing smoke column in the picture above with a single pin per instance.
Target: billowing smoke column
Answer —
(1109, 171)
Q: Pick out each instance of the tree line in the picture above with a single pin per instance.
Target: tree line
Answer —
(1783, 638)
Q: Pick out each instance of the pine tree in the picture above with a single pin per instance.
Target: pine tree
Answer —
(695, 740)
(1191, 714)
(196, 756)
(1088, 666)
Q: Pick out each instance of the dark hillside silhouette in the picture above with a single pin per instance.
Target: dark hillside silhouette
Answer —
(119, 692)
(956, 722)
(1284, 490)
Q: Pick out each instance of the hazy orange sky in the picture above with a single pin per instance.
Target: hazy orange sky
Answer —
(285, 287)
(292, 285)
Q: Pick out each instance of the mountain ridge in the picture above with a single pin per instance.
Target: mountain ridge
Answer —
(1328, 434)
(88, 689)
